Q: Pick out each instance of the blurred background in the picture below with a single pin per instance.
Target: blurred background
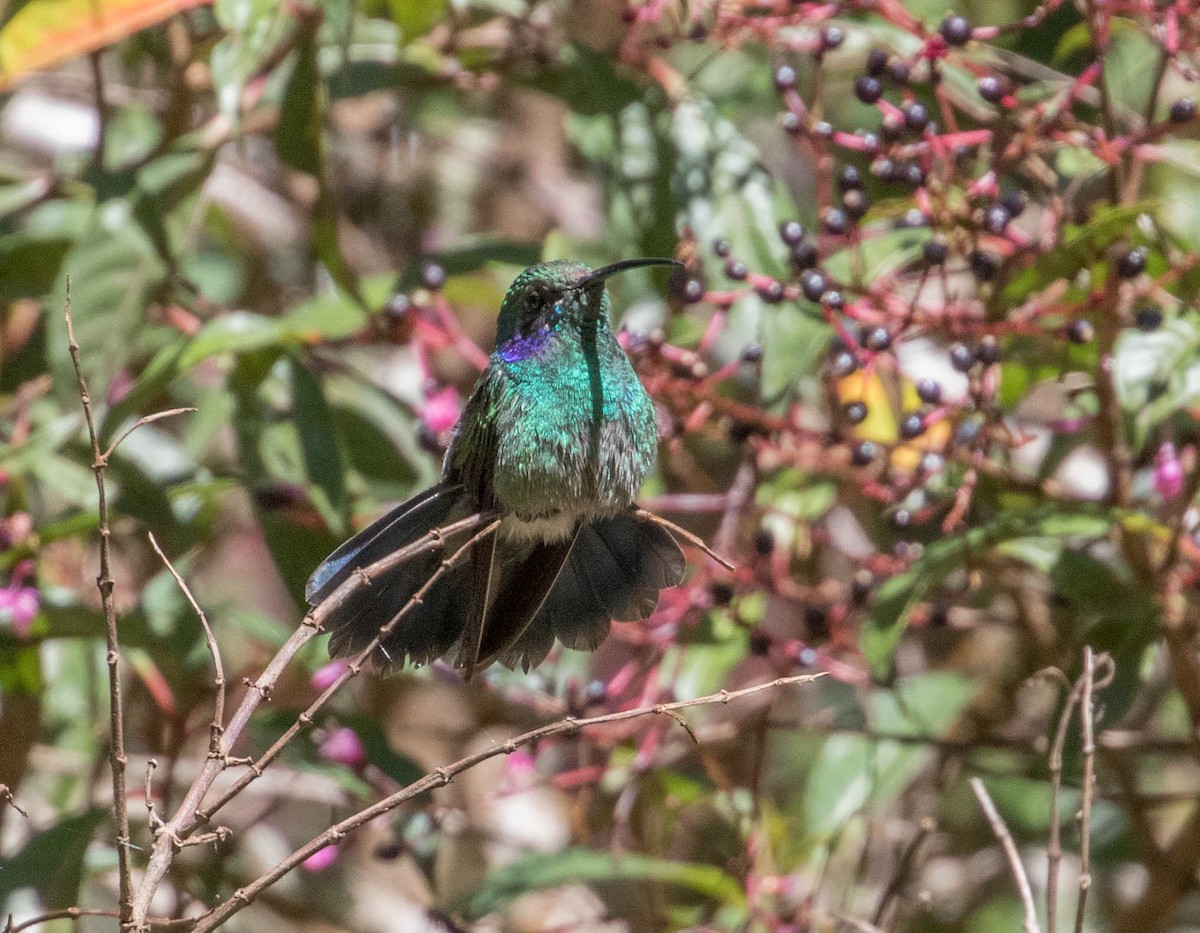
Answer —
(930, 381)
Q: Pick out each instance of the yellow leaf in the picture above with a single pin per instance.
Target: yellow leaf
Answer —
(45, 33)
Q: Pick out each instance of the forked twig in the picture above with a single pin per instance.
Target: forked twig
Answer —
(1000, 828)
(685, 534)
(105, 583)
(141, 422)
(442, 776)
(189, 816)
(218, 721)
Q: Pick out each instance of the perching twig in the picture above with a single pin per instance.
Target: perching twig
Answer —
(442, 776)
(1054, 852)
(685, 534)
(190, 816)
(74, 913)
(1087, 717)
(141, 422)
(1010, 850)
(104, 582)
(217, 726)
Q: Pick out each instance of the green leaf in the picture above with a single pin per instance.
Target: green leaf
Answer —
(52, 861)
(298, 134)
(114, 271)
(899, 595)
(323, 458)
(416, 17)
(29, 265)
(252, 29)
(547, 870)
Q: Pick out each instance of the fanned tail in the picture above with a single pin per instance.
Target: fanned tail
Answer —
(615, 570)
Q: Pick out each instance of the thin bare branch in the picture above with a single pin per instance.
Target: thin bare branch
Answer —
(7, 798)
(104, 582)
(148, 419)
(1054, 852)
(1087, 718)
(74, 913)
(190, 816)
(443, 776)
(685, 534)
(1000, 828)
(217, 727)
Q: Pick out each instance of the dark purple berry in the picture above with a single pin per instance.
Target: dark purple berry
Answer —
(721, 248)
(911, 425)
(1080, 330)
(753, 353)
(397, 307)
(433, 276)
(899, 72)
(863, 453)
(764, 542)
(901, 518)
(721, 593)
(813, 285)
(785, 78)
(988, 351)
(861, 586)
(916, 116)
(1149, 319)
(936, 252)
(884, 169)
(693, 291)
(867, 89)
(736, 269)
(929, 391)
(983, 265)
(962, 357)
(914, 175)
(1132, 264)
(833, 300)
(836, 222)
(855, 204)
(876, 339)
(877, 62)
(760, 644)
(771, 292)
(1014, 203)
(850, 179)
(870, 143)
(966, 432)
(995, 219)
(855, 412)
(1183, 110)
(791, 232)
(991, 89)
(832, 37)
(792, 124)
(911, 219)
(823, 129)
(804, 255)
(891, 126)
(843, 364)
(956, 30)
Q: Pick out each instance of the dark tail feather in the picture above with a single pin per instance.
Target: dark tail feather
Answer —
(526, 574)
(429, 629)
(615, 570)
(403, 525)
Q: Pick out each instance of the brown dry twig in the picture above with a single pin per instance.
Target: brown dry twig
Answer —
(191, 814)
(1000, 828)
(218, 720)
(105, 583)
(443, 776)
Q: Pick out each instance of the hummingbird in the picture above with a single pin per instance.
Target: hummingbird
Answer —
(555, 440)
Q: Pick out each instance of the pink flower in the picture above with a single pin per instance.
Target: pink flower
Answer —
(321, 859)
(344, 747)
(441, 410)
(19, 604)
(324, 677)
(1168, 473)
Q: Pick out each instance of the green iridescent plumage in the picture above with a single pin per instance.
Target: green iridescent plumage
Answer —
(557, 437)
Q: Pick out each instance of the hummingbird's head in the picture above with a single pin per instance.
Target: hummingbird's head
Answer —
(550, 295)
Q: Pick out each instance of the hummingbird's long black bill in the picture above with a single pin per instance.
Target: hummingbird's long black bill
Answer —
(599, 275)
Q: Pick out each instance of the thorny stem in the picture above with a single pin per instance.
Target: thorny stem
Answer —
(443, 776)
(104, 582)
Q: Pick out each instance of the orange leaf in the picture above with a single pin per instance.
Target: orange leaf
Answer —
(44, 33)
